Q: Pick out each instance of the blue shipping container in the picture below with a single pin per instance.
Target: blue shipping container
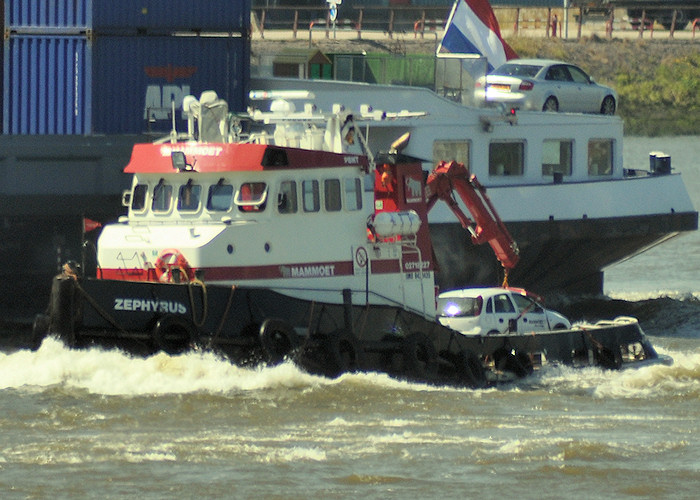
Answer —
(116, 84)
(46, 83)
(147, 73)
(126, 16)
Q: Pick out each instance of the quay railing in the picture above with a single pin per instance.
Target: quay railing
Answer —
(419, 21)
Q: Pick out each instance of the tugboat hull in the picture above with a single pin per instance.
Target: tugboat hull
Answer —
(256, 325)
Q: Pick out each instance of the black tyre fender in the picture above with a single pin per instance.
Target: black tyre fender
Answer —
(174, 334)
(345, 353)
(609, 358)
(419, 356)
(518, 363)
(278, 339)
(470, 370)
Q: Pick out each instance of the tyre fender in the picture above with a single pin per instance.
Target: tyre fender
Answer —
(174, 335)
(470, 370)
(345, 353)
(419, 356)
(518, 363)
(278, 339)
(609, 358)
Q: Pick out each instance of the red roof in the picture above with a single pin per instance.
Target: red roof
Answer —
(221, 157)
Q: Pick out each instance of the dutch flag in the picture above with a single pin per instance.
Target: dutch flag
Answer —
(473, 29)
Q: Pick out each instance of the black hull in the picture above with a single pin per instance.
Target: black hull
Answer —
(555, 256)
(251, 326)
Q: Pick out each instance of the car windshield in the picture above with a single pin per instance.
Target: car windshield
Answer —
(459, 306)
(516, 70)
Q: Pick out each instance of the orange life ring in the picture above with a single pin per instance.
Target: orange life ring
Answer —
(170, 259)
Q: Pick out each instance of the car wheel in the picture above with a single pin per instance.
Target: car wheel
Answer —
(551, 104)
(608, 106)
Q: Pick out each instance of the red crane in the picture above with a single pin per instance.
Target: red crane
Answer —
(487, 226)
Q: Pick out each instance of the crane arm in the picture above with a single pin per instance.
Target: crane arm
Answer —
(450, 177)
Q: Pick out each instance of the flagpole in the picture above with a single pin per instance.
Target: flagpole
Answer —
(447, 25)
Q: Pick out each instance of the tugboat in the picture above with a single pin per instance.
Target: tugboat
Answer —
(292, 241)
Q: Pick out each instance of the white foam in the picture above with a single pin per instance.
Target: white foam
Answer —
(116, 373)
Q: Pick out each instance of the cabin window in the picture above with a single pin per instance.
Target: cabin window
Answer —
(556, 157)
(353, 194)
(189, 196)
(251, 197)
(309, 192)
(451, 151)
(219, 199)
(138, 199)
(506, 158)
(287, 198)
(600, 157)
(331, 195)
(162, 194)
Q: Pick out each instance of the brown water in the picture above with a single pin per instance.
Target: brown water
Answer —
(95, 424)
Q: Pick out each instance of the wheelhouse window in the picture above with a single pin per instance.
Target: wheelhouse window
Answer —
(310, 196)
(331, 195)
(506, 158)
(162, 196)
(138, 198)
(451, 151)
(353, 194)
(287, 198)
(557, 156)
(219, 198)
(600, 157)
(251, 197)
(189, 197)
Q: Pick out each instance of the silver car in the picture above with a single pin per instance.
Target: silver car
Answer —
(546, 85)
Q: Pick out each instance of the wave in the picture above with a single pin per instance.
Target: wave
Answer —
(113, 372)
(668, 314)
(681, 380)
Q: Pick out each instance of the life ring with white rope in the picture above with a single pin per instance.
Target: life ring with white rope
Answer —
(170, 259)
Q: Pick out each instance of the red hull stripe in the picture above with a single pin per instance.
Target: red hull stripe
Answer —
(286, 271)
(385, 266)
(251, 273)
(289, 271)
